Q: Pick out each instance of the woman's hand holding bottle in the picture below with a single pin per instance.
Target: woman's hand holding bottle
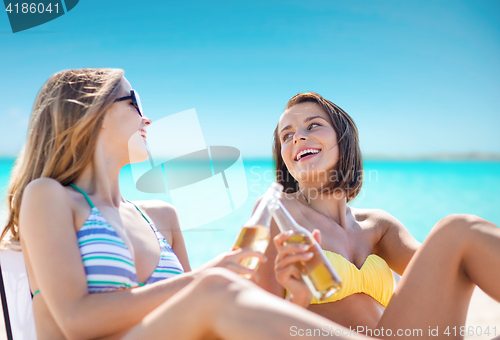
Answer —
(286, 271)
(251, 242)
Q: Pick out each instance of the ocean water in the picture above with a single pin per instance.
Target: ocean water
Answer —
(417, 193)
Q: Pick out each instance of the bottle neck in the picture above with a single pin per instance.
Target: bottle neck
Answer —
(285, 221)
(262, 216)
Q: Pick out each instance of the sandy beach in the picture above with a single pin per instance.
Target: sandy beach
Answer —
(483, 312)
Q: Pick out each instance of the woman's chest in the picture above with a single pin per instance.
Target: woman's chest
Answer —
(137, 237)
(355, 243)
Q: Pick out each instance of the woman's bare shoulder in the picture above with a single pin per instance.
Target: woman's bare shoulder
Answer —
(373, 217)
(163, 213)
(46, 189)
(46, 205)
(369, 213)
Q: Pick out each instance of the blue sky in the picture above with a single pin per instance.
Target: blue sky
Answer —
(418, 77)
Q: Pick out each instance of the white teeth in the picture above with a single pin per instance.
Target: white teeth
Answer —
(299, 155)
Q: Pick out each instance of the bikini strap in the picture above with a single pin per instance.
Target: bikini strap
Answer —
(83, 193)
(92, 204)
(139, 211)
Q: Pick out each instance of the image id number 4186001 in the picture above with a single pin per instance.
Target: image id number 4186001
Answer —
(31, 8)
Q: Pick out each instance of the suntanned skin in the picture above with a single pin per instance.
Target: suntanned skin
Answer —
(436, 287)
(243, 312)
(141, 299)
(352, 233)
(438, 277)
(215, 303)
(51, 214)
(365, 231)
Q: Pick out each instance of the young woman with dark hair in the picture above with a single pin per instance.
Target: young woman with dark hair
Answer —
(318, 160)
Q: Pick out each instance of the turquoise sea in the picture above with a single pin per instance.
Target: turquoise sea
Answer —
(418, 193)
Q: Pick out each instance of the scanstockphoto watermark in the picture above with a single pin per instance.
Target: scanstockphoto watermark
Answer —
(323, 331)
(438, 332)
(260, 177)
(327, 331)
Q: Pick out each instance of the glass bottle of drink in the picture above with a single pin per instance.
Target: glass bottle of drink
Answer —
(256, 232)
(318, 273)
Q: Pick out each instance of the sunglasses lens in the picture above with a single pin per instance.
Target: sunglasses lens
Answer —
(137, 101)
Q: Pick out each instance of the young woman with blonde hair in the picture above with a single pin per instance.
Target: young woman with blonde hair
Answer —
(79, 236)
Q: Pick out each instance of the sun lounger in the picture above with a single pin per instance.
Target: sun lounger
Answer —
(16, 296)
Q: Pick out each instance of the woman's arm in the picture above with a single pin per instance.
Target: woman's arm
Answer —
(49, 240)
(396, 245)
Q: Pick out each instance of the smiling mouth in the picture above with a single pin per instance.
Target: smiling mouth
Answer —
(143, 133)
(306, 154)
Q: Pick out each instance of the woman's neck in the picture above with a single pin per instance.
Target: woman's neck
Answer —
(333, 205)
(100, 177)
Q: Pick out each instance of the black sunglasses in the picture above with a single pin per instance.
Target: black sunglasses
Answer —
(136, 101)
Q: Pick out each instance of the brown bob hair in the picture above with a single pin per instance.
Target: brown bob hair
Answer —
(350, 163)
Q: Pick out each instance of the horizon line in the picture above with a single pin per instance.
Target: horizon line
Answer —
(430, 156)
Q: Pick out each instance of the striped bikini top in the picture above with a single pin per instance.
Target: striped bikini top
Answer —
(107, 260)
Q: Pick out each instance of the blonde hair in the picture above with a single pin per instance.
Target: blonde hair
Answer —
(62, 134)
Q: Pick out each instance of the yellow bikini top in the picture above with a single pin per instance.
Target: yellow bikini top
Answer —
(374, 278)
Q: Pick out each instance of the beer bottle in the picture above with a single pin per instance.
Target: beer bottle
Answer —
(256, 232)
(317, 273)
